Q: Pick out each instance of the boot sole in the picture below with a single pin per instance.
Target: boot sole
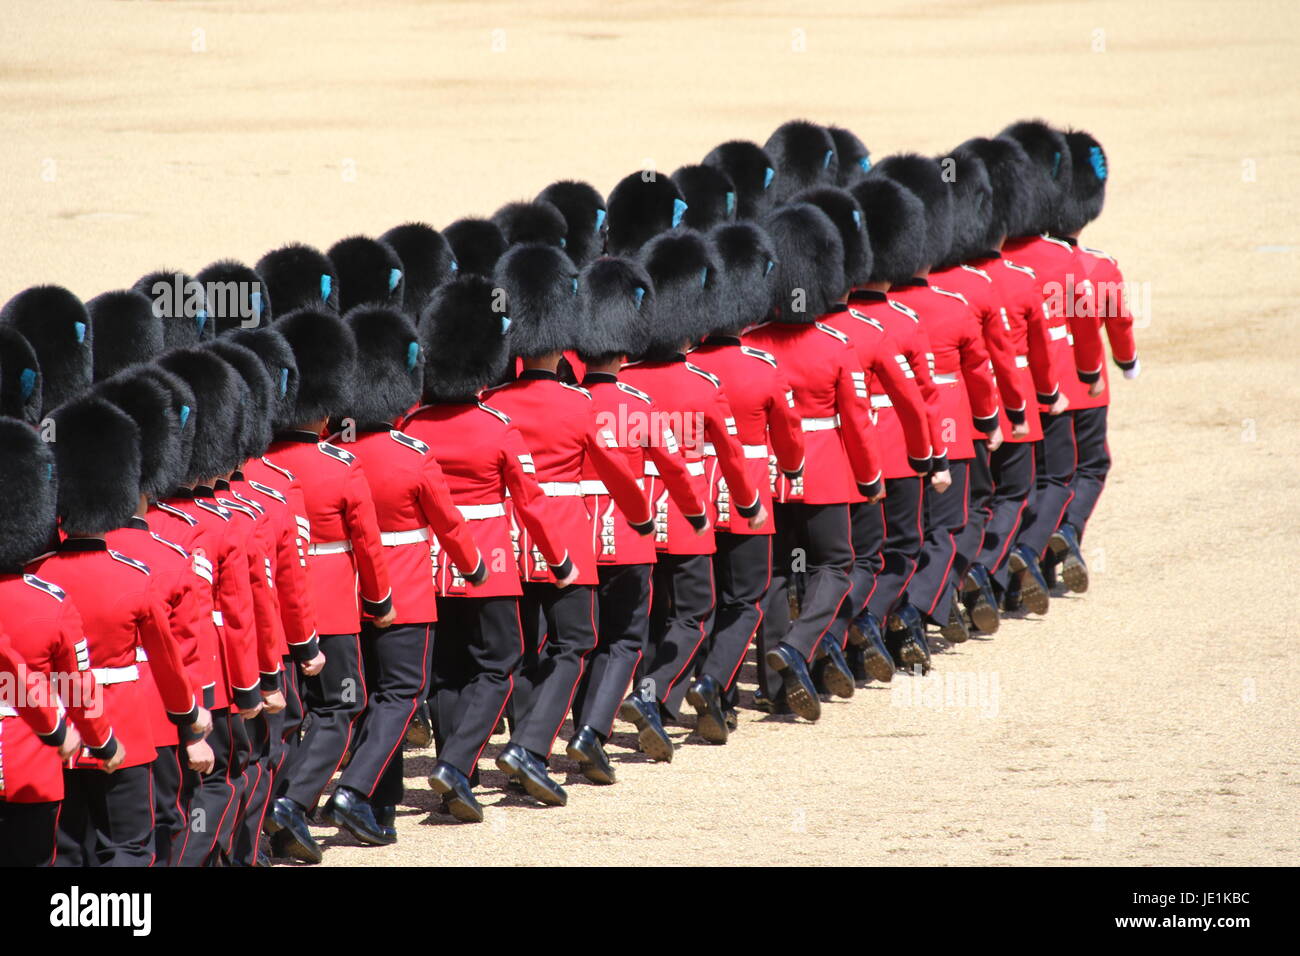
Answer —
(706, 723)
(797, 698)
(954, 634)
(651, 744)
(292, 847)
(1032, 597)
(880, 668)
(419, 737)
(1073, 571)
(837, 682)
(984, 615)
(457, 807)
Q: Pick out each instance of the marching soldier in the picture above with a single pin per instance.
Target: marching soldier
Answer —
(298, 276)
(583, 209)
(426, 260)
(477, 244)
(180, 301)
(751, 171)
(57, 327)
(369, 273)
(803, 154)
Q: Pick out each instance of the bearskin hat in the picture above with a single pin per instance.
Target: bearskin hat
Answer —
(427, 262)
(20, 377)
(809, 273)
(583, 209)
(57, 326)
(97, 458)
(183, 404)
(853, 159)
(1049, 157)
(149, 403)
(477, 244)
(804, 154)
(27, 494)
(1088, 171)
(541, 287)
(369, 273)
(972, 206)
(181, 302)
(1019, 192)
(709, 194)
(126, 331)
(924, 178)
(843, 210)
(896, 228)
(390, 365)
(745, 261)
(684, 269)
(297, 276)
(618, 309)
(641, 206)
(463, 339)
(536, 221)
(263, 396)
(237, 298)
(277, 358)
(751, 170)
(326, 355)
(217, 414)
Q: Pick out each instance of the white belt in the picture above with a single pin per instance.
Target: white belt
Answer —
(751, 451)
(218, 619)
(820, 424)
(881, 401)
(1058, 332)
(140, 656)
(7, 711)
(1022, 361)
(391, 539)
(330, 547)
(695, 468)
(116, 675)
(591, 487)
(943, 379)
(562, 489)
(479, 512)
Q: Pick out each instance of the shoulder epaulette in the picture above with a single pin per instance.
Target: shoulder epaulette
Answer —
(576, 388)
(979, 272)
(867, 319)
(266, 490)
(227, 503)
(952, 295)
(284, 471)
(171, 544)
(248, 501)
(1098, 253)
(624, 387)
(53, 590)
(1057, 242)
(703, 374)
(905, 309)
(177, 513)
(1019, 268)
(335, 452)
(214, 508)
(759, 354)
(835, 333)
(492, 411)
(407, 441)
(130, 562)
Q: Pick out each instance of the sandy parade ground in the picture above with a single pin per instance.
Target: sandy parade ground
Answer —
(1152, 721)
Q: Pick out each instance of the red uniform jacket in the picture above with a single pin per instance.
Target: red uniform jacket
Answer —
(189, 613)
(1106, 306)
(279, 492)
(121, 610)
(46, 634)
(903, 325)
(1022, 305)
(842, 461)
(483, 458)
(411, 497)
(897, 407)
(967, 394)
(766, 424)
(1062, 287)
(259, 545)
(345, 560)
(645, 437)
(698, 412)
(558, 423)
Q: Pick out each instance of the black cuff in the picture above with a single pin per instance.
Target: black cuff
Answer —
(107, 751)
(920, 465)
(479, 574)
(56, 736)
(645, 527)
(939, 463)
(246, 699)
(1129, 365)
(1016, 416)
(563, 569)
(1089, 378)
(699, 522)
(187, 736)
(184, 720)
(306, 651)
(987, 425)
(269, 682)
(873, 489)
(378, 608)
(793, 475)
(750, 510)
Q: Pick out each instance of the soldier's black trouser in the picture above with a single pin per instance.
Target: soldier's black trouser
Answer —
(742, 570)
(106, 818)
(1055, 458)
(210, 798)
(1093, 466)
(901, 551)
(945, 516)
(559, 627)
(679, 621)
(1013, 476)
(623, 629)
(333, 700)
(169, 813)
(27, 833)
(868, 522)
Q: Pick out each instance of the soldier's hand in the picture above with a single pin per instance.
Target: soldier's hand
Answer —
(202, 726)
(71, 743)
(248, 713)
(1020, 430)
(1060, 405)
(115, 761)
(1135, 371)
(314, 666)
(386, 620)
(569, 578)
(1097, 387)
(880, 497)
(995, 439)
(199, 756)
(941, 481)
(759, 519)
(273, 701)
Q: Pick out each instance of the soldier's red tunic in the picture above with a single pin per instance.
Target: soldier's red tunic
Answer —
(1058, 274)
(483, 457)
(698, 412)
(842, 462)
(259, 544)
(558, 424)
(1026, 322)
(1106, 307)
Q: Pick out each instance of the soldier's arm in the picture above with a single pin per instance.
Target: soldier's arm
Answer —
(367, 550)
(662, 449)
(70, 657)
(442, 515)
(855, 425)
(529, 500)
(899, 382)
(601, 448)
(296, 611)
(783, 427)
(720, 429)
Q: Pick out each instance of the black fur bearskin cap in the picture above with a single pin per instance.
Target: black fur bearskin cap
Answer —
(896, 229)
(125, 330)
(427, 262)
(1049, 157)
(463, 339)
(746, 261)
(369, 271)
(57, 327)
(217, 415)
(583, 209)
(237, 297)
(618, 309)
(541, 287)
(390, 365)
(923, 177)
(751, 170)
(641, 206)
(710, 196)
(149, 403)
(181, 302)
(298, 276)
(477, 244)
(20, 377)
(804, 154)
(28, 494)
(277, 358)
(97, 459)
(257, 427)
(326, 355)
(684, 269)
(843, 210)
(809, 273)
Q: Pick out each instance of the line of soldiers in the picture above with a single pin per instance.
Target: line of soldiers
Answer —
(260, 526)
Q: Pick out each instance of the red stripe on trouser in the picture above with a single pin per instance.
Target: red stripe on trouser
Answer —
(626, 691)
(506, 700)
(946, 571)
(758, 605)
(713, 602)
(153, 824)
(582, 665)
(424, 669)
(361, 676)
(650, 598)
(848, 522)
